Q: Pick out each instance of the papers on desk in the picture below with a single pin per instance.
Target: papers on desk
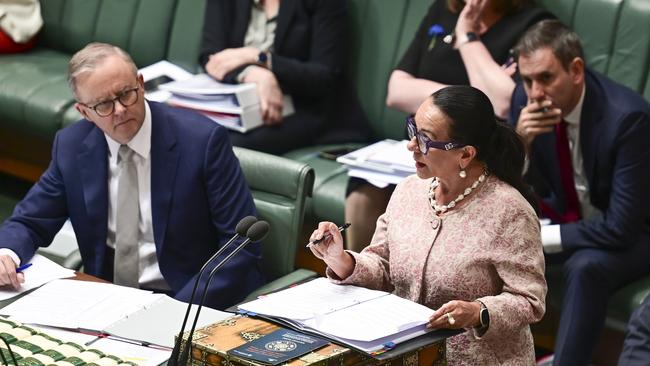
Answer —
(42, 271)
(121, 312)
(143, 356)
(159, 73)
(368, 320)
(382, 163)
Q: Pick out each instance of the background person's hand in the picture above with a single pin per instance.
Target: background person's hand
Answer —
(469, 19)
(270, 94)
(537, 118)
(223, 62)
(8, 276)
(465, 314)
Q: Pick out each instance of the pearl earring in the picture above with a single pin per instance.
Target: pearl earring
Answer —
(462, 173)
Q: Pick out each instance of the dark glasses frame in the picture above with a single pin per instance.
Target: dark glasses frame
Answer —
(425, 143)
(124, 98)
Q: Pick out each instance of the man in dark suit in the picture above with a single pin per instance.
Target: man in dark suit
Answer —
(292, 47)
(151, 191)
(590, 166)
(636, 348)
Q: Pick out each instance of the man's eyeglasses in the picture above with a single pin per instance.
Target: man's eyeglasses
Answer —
(425, 143)
(106, 108)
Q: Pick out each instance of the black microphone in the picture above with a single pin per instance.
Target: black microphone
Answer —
(240, 230)
(11, 353)
(256, 232)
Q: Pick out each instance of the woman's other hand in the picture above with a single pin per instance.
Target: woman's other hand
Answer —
(223, 62)
(330, 249)
(455, 315)
(269, 91)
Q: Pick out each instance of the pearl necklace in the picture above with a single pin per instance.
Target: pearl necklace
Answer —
(443, 208)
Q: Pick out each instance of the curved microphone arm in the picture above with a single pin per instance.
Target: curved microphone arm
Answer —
(257, 232)
(11, 353)
(242, 228)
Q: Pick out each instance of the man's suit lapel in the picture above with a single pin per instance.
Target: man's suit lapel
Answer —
(164, 162)
(93, 163)
(285, 13)
(590, 120)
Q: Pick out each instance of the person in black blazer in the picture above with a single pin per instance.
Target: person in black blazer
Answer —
(292, 47)
(602, 239)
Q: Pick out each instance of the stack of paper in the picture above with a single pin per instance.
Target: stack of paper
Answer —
(382, 163)
(120, 312)
(367, 320)
(41, 271)
(234, 106)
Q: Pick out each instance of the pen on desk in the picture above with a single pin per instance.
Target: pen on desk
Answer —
(23, 267)
(326, 236)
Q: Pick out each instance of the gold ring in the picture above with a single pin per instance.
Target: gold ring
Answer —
(450, 319)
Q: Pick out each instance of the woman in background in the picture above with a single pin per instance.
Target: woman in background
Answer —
(458, 43)
(286, 47)
(461, 236)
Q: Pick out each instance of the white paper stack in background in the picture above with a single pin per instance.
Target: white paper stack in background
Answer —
(382, 163)
(235, 106)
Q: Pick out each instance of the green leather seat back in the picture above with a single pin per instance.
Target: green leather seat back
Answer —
(375, 28)
(630, 58)
(140, 27)
(185, 36)
(34, 92)
(393, 120)
(280, 187)
(597, 41)
(563, 9)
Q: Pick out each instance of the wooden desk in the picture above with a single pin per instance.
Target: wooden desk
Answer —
(210, 345)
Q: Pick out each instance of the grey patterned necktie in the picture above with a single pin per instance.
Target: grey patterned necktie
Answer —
(125, 270)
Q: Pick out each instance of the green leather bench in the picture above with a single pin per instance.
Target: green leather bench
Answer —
(35, 102)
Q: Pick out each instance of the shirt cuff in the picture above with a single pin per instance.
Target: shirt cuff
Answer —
(551, 239)
(11, 254)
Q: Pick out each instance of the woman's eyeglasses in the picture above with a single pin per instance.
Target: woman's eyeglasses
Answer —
(425, 143)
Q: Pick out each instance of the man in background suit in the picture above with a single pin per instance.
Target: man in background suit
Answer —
(185, 192)
(636, 348)
(590, 166)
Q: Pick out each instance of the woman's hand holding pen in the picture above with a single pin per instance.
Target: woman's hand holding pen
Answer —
(330, 249)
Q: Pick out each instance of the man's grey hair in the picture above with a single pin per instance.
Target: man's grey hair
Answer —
(91, 56)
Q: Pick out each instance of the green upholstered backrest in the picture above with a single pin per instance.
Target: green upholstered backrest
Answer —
(185, 36)
(140, 27)
(615, 35)
(374, 27)
(393, 120)
(280, 188)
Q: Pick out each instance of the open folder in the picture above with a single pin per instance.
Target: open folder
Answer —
(120, 312)
(367, 320)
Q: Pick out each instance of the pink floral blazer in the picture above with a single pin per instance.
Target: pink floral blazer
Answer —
(488, 249)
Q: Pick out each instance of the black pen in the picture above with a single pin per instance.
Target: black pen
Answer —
(327, 236)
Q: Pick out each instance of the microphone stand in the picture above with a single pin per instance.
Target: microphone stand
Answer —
(241, 229)
(256, 233)
(11, 353)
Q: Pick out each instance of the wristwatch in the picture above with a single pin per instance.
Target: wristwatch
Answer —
(484, 315)
(262, 59)
(469, 37)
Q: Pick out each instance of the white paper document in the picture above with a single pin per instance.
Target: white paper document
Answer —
(40, 272)
(359, 317)
(382, 163)
(121, 312)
